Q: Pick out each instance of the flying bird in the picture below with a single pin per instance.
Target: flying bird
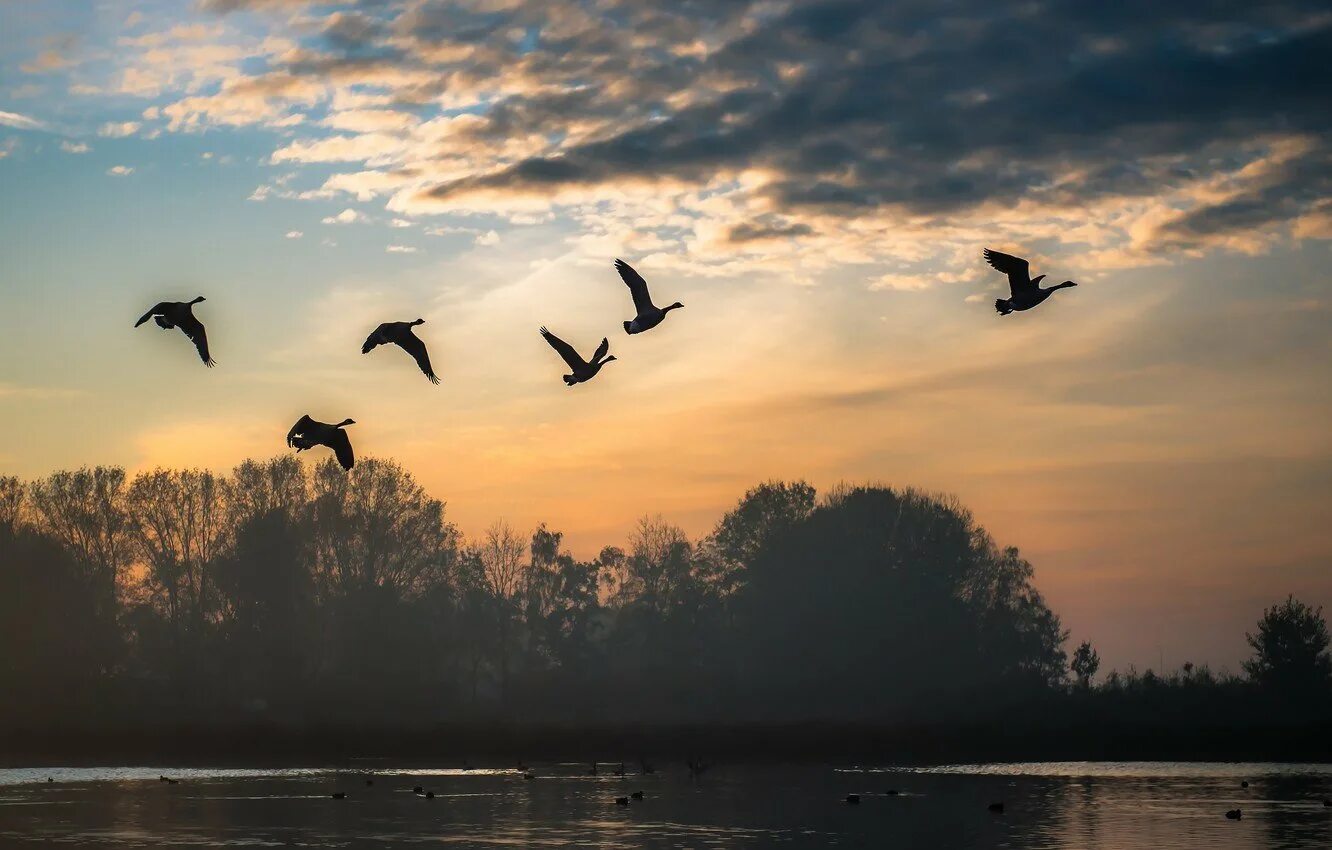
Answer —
(400, 334)
(583, 370)
(1026, 291)
(649, 314)
(308, 433)
(179, 314)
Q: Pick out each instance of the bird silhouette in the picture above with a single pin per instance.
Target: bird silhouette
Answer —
(400, 334)
(180, 314)
(649, 314)
(583, 370)
(308, 433)
(1026, 292)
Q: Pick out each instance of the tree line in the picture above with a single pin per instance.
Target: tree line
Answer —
(294, 594)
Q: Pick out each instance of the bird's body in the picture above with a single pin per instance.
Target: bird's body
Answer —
(308, 433)
(1026, 290)
(400, 334)
(180, 314)
(582, 370)
(649, 314)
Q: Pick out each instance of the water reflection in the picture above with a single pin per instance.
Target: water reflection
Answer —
(1121, 806)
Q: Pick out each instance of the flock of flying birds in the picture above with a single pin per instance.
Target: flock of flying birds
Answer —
(307, 433)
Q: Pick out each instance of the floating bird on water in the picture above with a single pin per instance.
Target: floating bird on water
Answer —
(637, 795)
(997, 808)
(622, 801)
(1234, 814)
(400, 334)
(649, 314)
(1026, 293)
(339, 795)
(180, 314)
(853, 799)
(583, 370)
(308, 433)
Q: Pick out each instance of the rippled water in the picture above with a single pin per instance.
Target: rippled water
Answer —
(1117, 806)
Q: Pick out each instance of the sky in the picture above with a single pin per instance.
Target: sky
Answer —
(814, 181)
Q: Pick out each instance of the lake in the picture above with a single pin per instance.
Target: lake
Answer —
(1117, 806)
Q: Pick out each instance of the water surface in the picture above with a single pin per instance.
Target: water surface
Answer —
(1117, 806)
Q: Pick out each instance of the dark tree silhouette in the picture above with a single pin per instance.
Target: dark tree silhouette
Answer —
(1290, 651)
(1086, 661)
(302, 594)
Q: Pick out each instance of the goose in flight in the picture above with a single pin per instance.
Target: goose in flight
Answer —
(308, 433)
(400, 334)
(649, 314)
(583, 370)
(179, 314)
(1026, 292)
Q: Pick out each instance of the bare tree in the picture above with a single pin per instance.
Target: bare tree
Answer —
(85, 511)
(182, 522)
(259, 487)
(12, 496)
(376, 527)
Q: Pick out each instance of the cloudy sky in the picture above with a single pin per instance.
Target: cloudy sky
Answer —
(813, 180)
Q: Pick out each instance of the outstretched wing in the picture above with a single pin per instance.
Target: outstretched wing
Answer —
(1019, 277)
(376, 338)
(565, 349)
(157, 308)
(302, 425)
(637, 287)
(602, 350)
(413, 345)
(340, 443)
(194, 329)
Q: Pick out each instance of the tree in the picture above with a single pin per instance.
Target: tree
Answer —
(85, 512)
(1290, 651)
(765, 510)
(1086, 662)
(12, 496)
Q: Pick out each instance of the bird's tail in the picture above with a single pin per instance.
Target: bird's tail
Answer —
(570, 380)
(1003, 306)
(627, 326)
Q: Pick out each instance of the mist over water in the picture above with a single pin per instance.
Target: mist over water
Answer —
(1117, 806)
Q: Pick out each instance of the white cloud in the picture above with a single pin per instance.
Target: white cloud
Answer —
(20, 122)
(347, 216)
(400, 249)
(488, 238)
(120, 170)
(400, 222)
(74, 147)
(294, 234)
(118, 130)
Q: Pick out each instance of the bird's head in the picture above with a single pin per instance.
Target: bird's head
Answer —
(419, 322)
(676, 306)
(1066, 283)
(197, 300)
(344, 423)
(607, 359)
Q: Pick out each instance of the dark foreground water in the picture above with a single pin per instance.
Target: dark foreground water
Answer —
(1083, 805)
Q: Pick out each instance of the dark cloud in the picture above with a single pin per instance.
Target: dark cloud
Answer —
(937, 109)
(759, 232)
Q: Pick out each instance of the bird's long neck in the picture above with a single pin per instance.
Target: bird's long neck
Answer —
(344, 423)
